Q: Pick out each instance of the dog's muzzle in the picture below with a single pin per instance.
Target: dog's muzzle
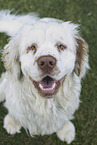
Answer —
(48, 86)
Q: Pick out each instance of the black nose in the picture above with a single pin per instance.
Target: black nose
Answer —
(46, 63)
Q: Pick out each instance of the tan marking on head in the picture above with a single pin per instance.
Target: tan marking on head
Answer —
(82, 49)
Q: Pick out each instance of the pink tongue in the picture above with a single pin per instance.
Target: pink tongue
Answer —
(47, 82)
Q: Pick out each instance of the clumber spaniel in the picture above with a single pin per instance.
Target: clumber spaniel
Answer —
(45, 61)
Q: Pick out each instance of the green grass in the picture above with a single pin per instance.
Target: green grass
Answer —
(83, 12)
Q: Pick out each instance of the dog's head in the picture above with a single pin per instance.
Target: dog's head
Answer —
(46, 53)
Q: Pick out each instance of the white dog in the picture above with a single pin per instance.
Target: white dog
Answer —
(45, 61)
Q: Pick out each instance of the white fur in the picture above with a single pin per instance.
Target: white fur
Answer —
(10, 24)
(10, 125)
(23, 101)
(67, 133)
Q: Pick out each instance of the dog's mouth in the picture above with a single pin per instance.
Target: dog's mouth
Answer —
(48, 86)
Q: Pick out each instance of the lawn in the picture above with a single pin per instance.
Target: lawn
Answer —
(83, 12)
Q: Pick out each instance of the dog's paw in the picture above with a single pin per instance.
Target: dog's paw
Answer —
(67, 133)
(11, 126)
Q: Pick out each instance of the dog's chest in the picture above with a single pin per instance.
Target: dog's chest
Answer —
(43, 118)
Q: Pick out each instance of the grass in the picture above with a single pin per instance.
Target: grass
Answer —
(83, 12)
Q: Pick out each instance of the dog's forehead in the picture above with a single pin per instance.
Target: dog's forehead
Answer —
(42, 28)
(48, 32)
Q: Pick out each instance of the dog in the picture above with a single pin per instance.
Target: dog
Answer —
(45, 61)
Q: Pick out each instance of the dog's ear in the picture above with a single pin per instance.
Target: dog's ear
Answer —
(10, 58)
(81, 64)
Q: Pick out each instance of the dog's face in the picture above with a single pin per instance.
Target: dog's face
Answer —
(47, 53)
(48, 57)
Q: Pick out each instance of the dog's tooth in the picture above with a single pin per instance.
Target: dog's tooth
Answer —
(53, 85)
(41, 86)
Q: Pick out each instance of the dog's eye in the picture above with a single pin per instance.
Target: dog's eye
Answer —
(61, 46)
(32, 47)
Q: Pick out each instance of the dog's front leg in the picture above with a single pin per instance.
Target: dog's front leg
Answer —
(3, 84)
(10, 125)
(67, 133)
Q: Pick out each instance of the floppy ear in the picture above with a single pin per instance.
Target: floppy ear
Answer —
(11, 59)
(81, 64)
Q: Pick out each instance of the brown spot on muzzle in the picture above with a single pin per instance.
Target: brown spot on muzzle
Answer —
(46, 63)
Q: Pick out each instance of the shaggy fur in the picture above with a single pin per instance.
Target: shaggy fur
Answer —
(27, 107)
